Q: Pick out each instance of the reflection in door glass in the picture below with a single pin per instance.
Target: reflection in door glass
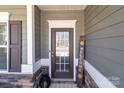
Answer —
(62, 51)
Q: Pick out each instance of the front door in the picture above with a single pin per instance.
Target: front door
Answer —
(15, 46)
(62, 52)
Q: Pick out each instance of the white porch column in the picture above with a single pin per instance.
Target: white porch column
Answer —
(30, 38)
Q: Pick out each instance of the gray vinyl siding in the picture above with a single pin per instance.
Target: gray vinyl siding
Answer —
(19, 13)
(37, 27)
(104, 29)
(42, 35)
(61, 15)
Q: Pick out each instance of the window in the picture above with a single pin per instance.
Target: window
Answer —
(3, 34)
(3, 45)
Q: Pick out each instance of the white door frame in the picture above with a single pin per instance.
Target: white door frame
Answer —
(63, 24)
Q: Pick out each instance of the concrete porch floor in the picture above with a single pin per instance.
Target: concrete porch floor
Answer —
(63, 83)
(15, 81)
(24, 81)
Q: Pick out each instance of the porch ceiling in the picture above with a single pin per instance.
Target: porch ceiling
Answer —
(61, 7)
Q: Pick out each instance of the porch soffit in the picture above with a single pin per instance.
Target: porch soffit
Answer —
(61, 7)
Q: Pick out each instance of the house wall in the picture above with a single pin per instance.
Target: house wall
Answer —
(37, 27)
(60, 15)
(42, 35)
(104, 29)
(18, 12)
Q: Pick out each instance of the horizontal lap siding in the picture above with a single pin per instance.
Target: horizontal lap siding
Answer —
(37, 33)
(18, 13)
(106, 13)
(105, 40)
(95, 13)
(42, 41)
(61, 15)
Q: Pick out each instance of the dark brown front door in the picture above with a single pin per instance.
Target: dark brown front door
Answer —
(62, 52)
(15, 46)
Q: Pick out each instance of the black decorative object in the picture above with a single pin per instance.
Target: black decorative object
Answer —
(45, 81)
(41, 78)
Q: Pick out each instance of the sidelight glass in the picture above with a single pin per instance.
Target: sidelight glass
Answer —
(62, 51)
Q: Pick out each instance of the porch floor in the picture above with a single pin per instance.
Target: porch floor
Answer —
(15, 81)
(63, 84)
(24, 81)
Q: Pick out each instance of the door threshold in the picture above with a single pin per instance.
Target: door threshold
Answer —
(61, 79)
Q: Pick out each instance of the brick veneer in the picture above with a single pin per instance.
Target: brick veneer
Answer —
(89, 82)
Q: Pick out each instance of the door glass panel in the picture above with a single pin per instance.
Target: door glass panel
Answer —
(3, 46)
(62, 51)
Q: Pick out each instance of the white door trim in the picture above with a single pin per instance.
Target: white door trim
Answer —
(63, 24)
